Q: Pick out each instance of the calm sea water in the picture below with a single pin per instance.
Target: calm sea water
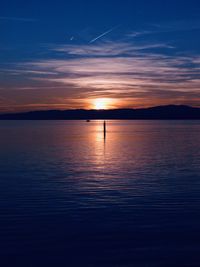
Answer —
(70, 198)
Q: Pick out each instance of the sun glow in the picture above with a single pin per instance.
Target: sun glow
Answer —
(102, 103)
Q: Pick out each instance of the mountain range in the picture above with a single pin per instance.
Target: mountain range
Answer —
(169, 112)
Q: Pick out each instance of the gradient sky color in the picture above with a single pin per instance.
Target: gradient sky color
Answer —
(67, 54)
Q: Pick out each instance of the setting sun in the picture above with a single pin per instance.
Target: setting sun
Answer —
(102, 103)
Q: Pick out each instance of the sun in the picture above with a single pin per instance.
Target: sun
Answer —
(101, 103)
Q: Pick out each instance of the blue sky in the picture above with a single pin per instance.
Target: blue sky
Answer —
(66, 54)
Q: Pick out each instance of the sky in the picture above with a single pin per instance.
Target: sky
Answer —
(98, 54)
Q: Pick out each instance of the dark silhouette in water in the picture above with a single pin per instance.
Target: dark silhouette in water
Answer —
(170, 112)
(104, 129)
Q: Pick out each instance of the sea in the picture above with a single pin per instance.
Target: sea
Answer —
(71, 195)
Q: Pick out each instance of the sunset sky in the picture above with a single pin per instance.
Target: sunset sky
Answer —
(98, 54)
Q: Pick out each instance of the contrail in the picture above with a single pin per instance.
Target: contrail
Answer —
(103, 34)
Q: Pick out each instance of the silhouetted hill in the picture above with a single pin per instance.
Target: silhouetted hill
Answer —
(171, 112)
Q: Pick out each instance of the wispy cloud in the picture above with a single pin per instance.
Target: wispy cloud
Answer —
(109, 49)
(167, 27)
(122, 71)
(125, 68)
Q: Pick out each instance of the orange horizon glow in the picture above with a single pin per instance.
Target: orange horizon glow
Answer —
(103, 103)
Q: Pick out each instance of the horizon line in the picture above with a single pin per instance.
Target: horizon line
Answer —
(84, 109)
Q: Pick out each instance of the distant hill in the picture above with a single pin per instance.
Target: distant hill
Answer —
(170, 112)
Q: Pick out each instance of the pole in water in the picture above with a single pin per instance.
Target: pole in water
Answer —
(104, 129)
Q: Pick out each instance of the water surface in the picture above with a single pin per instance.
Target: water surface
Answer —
(69, 197)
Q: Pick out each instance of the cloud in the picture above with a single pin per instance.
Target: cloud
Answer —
(119, 65)
(166, 27)
(108, 49)
(119, 70)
